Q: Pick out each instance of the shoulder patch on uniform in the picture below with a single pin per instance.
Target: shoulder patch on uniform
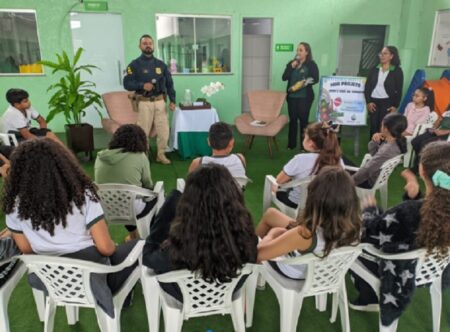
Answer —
(158, 70)
(129, 71)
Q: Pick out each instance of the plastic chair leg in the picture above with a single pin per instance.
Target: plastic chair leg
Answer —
(290, 307)
(334, 307)
(49, 320)
(237, 314)
(321, 302)
(39, 299)
(4, 321)
(106, 323)
(72, 314)
(390, 328)
(343, 309)
(151, 291)
(173, 319)
(436, 303)
(250, 290)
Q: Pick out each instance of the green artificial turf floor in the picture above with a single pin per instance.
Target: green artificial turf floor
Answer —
(23, 316)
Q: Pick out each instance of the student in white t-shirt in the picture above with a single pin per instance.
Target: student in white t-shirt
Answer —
(17, 118)
(331, 219)
(52, 208)
(221, 141)
(322, 147)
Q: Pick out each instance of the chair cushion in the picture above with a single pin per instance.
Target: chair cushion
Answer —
(271, 129)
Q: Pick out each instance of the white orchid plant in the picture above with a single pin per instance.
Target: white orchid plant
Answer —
(212, 89)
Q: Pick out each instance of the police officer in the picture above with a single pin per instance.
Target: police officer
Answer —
(152, 82)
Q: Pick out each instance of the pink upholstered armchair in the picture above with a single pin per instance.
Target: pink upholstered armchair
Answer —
(265, 106)
(120, 111)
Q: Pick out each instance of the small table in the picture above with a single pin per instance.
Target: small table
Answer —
(189, 132)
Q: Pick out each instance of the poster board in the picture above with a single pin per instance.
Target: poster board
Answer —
(440, 44)
(341, 100)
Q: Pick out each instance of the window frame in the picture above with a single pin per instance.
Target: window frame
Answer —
(194, 16)
(32, 11)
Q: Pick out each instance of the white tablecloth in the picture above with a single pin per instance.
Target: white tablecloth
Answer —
(191, 121)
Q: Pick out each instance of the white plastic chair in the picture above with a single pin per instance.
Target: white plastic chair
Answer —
(270, 197)
(382, 182)
(428, 270)
(68, 283)
(419, 130)
(117, 201)
(323, 276)
(200, 298)
(7, 289)
(8, 139)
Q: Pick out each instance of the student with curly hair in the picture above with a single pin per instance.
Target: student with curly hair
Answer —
(52, 208)
(410, 225)
(212, 232)
(126, 161)
(331, 219)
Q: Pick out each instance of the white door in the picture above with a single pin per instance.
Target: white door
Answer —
(101, 37)
(257, 39)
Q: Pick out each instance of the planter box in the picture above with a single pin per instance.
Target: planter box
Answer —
(80, 137)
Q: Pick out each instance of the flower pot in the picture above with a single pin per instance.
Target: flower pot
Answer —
(80, 138)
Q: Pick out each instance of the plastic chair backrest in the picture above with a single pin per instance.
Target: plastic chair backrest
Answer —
(117, 201)
(386, 170)
(265, 105)
(201, 298)
(119, 107)
(326, 274)
(67, 280)
(430, 268)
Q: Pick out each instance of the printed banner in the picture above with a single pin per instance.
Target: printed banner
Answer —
(342, 100)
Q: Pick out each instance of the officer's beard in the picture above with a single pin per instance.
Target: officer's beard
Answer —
(148, 52)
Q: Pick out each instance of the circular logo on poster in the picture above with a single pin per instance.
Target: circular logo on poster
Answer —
(337, 101)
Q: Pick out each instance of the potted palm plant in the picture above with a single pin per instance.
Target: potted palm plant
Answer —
(72, 96)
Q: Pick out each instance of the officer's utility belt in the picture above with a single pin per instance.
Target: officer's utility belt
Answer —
(135, 99)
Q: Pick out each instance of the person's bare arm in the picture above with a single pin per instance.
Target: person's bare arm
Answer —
(26, 133)
(42, 122)
(22, 243)
(194, 164)
(102, 239)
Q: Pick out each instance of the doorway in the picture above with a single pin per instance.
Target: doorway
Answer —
(359, 46)
(256, 56)
(101, 37)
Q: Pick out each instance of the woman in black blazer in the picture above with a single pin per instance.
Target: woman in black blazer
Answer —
(301, 74)
(383, 90)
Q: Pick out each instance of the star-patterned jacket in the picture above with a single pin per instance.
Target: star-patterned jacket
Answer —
(394, 232)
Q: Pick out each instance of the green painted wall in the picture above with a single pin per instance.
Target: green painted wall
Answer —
(410, 24)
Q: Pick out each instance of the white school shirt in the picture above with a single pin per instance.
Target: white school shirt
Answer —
(232, 162)
(380, 92)
(74, 237)
(13, 119)
(300, 167)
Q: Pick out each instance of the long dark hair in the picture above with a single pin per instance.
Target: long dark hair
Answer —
(429, 94)
(434, 228)
(333, 205)
(396, 124)
(129, 138)
(44, 183)
(307, 47)
(325, 140)
(395, 56)
(213, 232)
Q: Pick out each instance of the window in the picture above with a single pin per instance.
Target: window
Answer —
(19, 42)
(194, 44)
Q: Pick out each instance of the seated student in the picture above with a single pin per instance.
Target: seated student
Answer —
(17, 118)
(331, 219)
(52, 208)
(220, 139)
(419, 109)
(409, 225)
(211, 233)
(322, 147)
(440, 131)
(383, 146)
(126, 161)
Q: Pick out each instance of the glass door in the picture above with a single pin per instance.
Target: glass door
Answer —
(101, 37)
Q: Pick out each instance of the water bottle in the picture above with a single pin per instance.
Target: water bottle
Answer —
(187, 97)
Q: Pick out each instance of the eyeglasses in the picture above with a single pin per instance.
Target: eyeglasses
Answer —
(383, 53)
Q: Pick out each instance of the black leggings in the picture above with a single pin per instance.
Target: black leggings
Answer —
(283, 196)
(298, 109)
(148, 207)
(376, 117)
(419, 142)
